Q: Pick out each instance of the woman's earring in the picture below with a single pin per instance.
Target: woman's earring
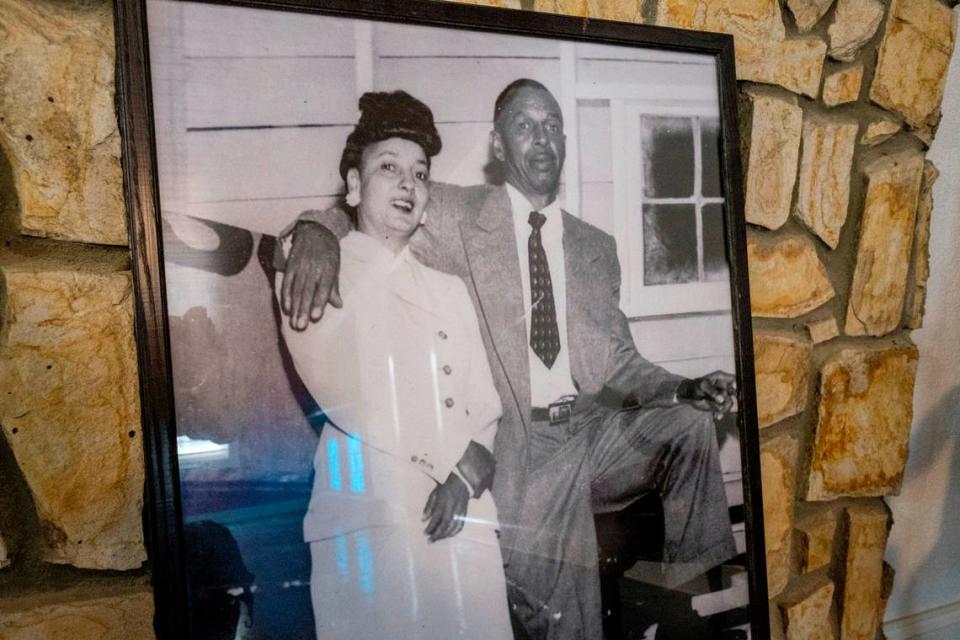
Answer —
(353, 198)
(423, 217)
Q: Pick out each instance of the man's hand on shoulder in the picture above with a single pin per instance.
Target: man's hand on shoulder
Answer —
(310, 278)
(715, 392)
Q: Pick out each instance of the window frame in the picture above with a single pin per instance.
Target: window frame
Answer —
(638, 299)
(628, 103)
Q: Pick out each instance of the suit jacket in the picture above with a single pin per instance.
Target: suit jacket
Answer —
(469, 232)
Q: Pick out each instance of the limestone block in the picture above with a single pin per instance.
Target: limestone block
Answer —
(879, 130)
(124, 616)
(70, 410)
(843, 86)
(578, 8)
(807, 13)
(867, 528)
(917, 295)
(771, 128)
(787, 278)
(854, 23)
(823, 329)
(622, 10)
(808, 618)
(863, 425)
(886, 240)
(824, 192)
(763, 52)
(912, 63)
(814, 538)
(924, 135)
(778, 459)
(781, 362)
(59, 128)
(504, 4)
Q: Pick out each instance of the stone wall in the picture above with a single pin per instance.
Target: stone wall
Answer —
(839, 101)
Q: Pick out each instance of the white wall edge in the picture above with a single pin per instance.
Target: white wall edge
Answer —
(917, 624)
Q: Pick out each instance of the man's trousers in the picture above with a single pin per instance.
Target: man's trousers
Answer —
(599, 462)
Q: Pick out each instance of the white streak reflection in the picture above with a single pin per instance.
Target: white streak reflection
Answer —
(459, 590)
(393, 398)
(437, 401)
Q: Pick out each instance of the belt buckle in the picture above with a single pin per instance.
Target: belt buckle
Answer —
(561, 410)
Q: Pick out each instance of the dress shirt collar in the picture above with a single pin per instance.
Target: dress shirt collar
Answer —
(521, 209)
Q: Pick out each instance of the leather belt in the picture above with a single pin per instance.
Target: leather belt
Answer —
(558, 412)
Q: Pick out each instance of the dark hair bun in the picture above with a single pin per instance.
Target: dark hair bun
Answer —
(385, 115)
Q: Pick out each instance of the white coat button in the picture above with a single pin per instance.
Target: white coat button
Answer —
(448, 403)
(447, 369)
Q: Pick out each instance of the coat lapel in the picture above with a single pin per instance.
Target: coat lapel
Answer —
(491, 249)
(400, 275)
(408, 282)
(586, 308)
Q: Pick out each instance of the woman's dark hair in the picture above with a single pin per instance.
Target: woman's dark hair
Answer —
(384, 115)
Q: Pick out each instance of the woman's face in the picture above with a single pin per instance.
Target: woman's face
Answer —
(392, 188)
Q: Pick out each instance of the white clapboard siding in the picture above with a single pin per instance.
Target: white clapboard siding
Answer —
(411, 40)
(435, 81)
(233, 92)
(678, 77)
(168, 73)
(597, 204)
(269, 216)
(596, 152)
(245, 164)
(233, 32)
(596, 157)
(466, 150)
(691, 337)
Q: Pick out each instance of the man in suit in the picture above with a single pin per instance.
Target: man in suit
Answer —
(545, 286)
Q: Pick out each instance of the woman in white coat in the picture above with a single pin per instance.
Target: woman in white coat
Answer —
(401, 526)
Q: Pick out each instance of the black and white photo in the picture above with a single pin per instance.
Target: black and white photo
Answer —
(456, 317)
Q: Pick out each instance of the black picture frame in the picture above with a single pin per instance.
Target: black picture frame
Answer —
(163, 511)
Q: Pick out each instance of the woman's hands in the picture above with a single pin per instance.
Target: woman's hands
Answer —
(446, 508)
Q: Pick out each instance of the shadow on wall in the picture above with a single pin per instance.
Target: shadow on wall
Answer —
(941, 426)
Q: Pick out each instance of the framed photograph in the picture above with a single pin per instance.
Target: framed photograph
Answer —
(443, 323)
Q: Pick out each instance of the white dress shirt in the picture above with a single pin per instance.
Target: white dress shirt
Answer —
(546, 385)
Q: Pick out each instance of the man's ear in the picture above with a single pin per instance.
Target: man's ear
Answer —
(353, 187)
(497, 145)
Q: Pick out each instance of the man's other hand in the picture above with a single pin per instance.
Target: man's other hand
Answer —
(445, 509)
(311, 276)
(715, 392)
